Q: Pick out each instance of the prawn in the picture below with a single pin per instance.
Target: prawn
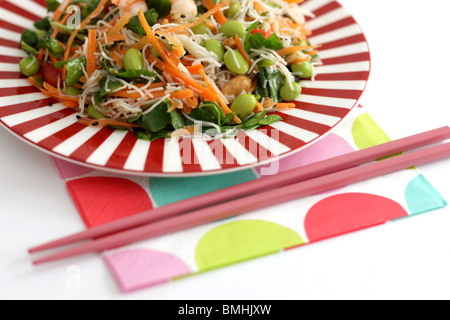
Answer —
(183, 11)
(131, 6)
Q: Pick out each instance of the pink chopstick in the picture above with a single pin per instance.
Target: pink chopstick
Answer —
(256, 186)
(257, 201)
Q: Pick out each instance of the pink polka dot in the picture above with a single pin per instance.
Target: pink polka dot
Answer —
(330, 146)
(349, 212)
(68, 170)
(139, 268)
(103, 199)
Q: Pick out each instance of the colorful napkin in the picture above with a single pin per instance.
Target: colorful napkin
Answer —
(101, 197)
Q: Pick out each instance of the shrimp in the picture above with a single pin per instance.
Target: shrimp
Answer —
(131, 6)
(183, 11)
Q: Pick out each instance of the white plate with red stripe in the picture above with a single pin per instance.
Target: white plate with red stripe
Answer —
(50, 127)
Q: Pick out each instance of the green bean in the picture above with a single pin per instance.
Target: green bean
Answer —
(133, 60)
(216, 47)
(201, 28)
(233, 10)
(290, 91)
(235, 62)
(232, 28)
(94, 113)
(72, 91)
(304, 69)
(244, 105)
(29, 66)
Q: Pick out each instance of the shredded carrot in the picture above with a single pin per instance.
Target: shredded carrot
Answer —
(220, 18)
(259, 108)
(60, 10)
(188, 82)
(71, 104)
(105, 122)
(300, 60)
(92, 48)
(241, 49)
(117, 57)
(193, 101)
(119, 37)
(285, 105)
(50, 88)
(148, 30)
(219, 96)
(187, 109)
(202, 18)
(120, 24)
(181, 94)
(40, 56)
(258, 6)
(47, 93)
(195, 69)
(212, 26)
(293, 49)
(141, 43)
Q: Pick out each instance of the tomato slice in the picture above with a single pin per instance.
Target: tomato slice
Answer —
(266, 34)
(51, 74)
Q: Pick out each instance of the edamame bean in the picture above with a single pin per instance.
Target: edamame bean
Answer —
(29, 66)
(201, 28)
(132, 60)
(235, 62)
(233, 10)
(216, 47)
(288, 92)
(304, 69)
(265, 63)
(232, 28)
(243, 105)
(72, 91)
(94, 113)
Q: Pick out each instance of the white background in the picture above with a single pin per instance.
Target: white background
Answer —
(408, 92)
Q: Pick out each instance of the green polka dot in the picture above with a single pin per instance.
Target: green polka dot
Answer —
(243, 240)
(422, 197)
(366, 133)
(169, 190)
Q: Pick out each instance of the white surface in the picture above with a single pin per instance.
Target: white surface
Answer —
(407, 259)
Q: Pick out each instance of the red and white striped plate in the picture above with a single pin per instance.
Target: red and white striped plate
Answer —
(54, 129)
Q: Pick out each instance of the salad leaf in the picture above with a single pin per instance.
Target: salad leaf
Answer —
(112, 85)
(177, 119)
(157, 119)
(210, 112)
(52, 5)
(54, 47)
(29, 37)
(130, 74)
(258, 40)
(29, 49)
(43, 24)
(135, 25)
(273, 42)
(74, 70)
(162, 7)
(270, 81)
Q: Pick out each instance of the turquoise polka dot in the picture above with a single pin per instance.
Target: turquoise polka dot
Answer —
(169, 190)
(421, 196)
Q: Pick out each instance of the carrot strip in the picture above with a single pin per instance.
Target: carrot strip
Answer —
(105, 122)
(219, 96)
(92, 48)
(195, 69)
(258, 6)
(120, 24)
(220, 18)
(293, 49)
(47, 93)
(181, 94)
(119, 37)
(241, 49)
(259, 108)
(117, 57)
(188, 82)
(285, 105)
(71, 104)
(202, 18)
(60, 10)
(51, 88)
(141, 43)
(148, 30)
(40, 56)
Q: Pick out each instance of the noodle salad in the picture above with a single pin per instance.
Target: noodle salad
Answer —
(168, 68)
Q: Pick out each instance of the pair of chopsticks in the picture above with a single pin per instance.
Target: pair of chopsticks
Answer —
(256, 194)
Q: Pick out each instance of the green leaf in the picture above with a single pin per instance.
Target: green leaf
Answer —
(113, 84)
(160, 135)
(29, 37)
(43, 24)
(208, 111)
(274, 43)
(54, 47)
(141, 134)
(270, 119)
(177, 119)
(157, 119)
(74, 70)
(52, 5)
(270, 81)
(135, 25)
(130, 74)
(28, 48)
(162, 7)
